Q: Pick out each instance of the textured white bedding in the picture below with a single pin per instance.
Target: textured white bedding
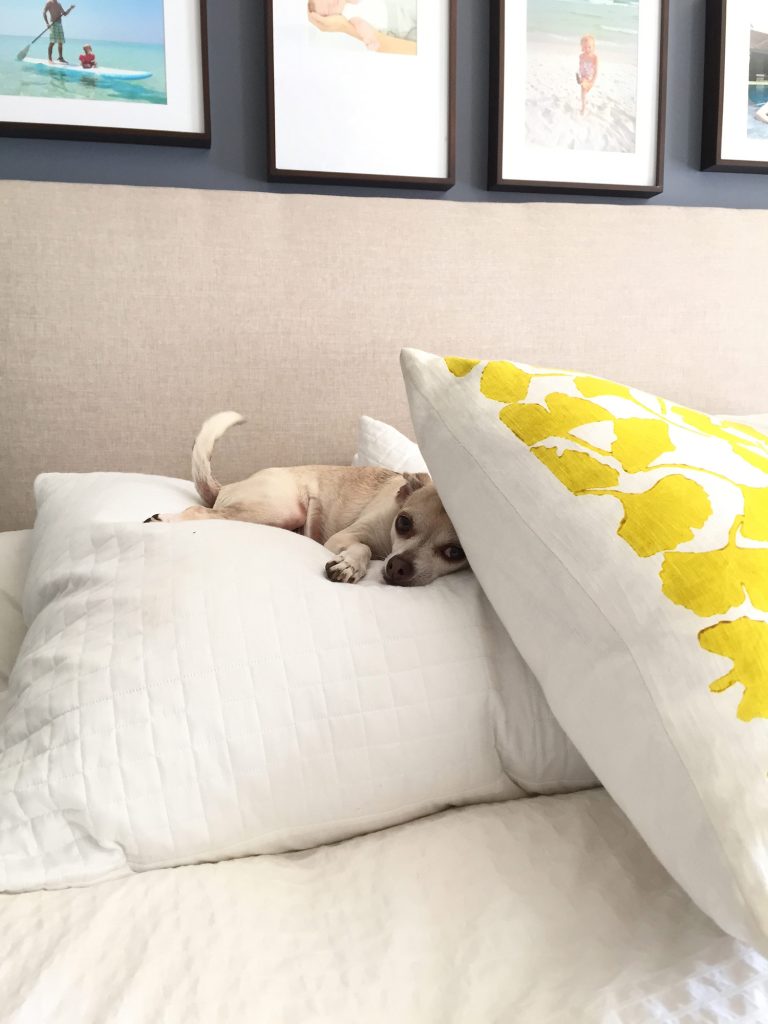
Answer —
(534, 911)
(197, 691)
(542, 911)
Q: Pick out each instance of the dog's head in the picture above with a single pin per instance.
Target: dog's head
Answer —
(424, 542)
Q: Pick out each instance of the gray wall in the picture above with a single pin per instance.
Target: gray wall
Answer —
(237, 159)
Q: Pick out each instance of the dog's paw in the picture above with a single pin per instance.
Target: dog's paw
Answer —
(344, 570)
(154, 519)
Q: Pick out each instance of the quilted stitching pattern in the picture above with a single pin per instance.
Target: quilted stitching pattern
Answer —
(201, 691)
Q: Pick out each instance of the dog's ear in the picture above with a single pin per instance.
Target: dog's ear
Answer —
(413, 482)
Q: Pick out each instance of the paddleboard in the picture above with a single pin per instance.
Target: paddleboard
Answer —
(75, 71)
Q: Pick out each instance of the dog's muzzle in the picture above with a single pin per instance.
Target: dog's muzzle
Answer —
(399, 571)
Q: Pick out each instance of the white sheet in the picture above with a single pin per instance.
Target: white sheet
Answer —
(539, 911)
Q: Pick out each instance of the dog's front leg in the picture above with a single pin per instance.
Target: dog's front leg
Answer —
(352, 561)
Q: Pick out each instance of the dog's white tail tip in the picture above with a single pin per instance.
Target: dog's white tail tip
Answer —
(215, 425)
(207, 485)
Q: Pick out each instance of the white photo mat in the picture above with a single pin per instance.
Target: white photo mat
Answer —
(521, 161)
(341, 109)
(183, 112)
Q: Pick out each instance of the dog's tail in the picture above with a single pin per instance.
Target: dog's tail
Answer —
(207, 485)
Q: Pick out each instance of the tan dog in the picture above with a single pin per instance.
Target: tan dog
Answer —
(359, 513)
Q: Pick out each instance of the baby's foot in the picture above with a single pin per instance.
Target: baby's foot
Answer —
(366, 32)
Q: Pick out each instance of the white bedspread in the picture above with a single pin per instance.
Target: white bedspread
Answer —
(529, 912)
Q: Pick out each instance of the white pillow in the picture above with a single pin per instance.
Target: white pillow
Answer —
(623, 541)
(758, 420)
(198, 691)
(378, 444)
(15, 552)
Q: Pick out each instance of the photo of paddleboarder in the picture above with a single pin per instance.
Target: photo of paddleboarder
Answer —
(53, 13)
(59, 63)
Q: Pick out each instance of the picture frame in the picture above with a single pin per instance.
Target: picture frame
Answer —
(143, 78)
(734, 134)
(372, 105)
(578, 97)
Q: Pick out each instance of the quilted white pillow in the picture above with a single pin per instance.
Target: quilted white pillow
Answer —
(379, 444)
(199, 691)
(15, 552)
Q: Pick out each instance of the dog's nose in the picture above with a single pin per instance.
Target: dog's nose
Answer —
(399, 570)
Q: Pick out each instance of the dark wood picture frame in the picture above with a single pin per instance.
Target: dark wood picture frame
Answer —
(496, 181)
(152, 137)
(303, 177)
(714, 95)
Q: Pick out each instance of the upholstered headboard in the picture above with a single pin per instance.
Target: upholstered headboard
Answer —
(127, 315)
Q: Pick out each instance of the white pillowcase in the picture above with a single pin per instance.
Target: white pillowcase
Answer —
(624, 542)
(378, 444)
(15, 553)
(198, 691)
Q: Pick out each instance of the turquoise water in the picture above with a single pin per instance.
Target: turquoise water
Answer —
(19, 79)
(758, 95)
(612, 24)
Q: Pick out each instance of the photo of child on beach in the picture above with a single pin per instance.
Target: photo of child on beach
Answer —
(581, 74)
(86, 50)
(379, 26)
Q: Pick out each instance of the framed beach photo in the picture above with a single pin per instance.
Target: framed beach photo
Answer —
(735, 122)
(578, 96)
(99, 71)
(362, 92)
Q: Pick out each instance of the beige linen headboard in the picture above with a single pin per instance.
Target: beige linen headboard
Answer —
(127, 315)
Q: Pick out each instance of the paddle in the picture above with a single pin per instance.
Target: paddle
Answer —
(23, 53)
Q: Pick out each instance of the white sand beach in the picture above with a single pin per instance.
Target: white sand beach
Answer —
(553, 98)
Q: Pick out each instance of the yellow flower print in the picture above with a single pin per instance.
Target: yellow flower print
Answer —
(562, 414)
(745, 641)
(660, 519)
(595, 387)
(754, 452)
(753, 434)
(504, 382)
(639, 442)
(755, 524)
(578, 471)
(663, 517)
(712, 582)
(460, 367)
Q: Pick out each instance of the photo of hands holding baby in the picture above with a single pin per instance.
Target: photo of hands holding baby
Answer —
(380, 26)
(362, 90)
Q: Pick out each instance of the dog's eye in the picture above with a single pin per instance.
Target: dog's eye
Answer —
(403, 524)
(454, 553)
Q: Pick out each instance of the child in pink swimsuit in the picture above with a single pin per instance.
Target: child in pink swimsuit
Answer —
(88, 57)
(587, 73)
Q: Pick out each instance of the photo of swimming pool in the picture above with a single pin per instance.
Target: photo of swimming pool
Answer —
(758, 97)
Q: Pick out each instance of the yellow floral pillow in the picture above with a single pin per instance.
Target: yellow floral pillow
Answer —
(623, 540)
